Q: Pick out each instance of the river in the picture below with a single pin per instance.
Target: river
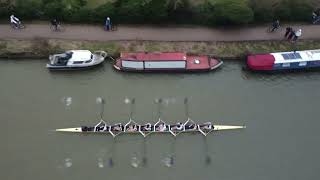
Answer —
(281, 140)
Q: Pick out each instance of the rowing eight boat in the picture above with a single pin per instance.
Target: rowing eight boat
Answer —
(146, 129)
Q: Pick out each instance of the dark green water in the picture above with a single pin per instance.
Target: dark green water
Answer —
(281, 113)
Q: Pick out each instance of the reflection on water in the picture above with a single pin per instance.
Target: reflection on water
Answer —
(67, 162)
(100, 163)
(168, 161)
(135, 162)
(67, 101)
(287, 79)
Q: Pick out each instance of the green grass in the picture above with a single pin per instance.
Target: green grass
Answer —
(43, 47)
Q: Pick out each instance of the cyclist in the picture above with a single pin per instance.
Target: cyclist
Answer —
(275, 25)
(15, 22)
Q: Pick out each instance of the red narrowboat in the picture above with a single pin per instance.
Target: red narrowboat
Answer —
(165, 61)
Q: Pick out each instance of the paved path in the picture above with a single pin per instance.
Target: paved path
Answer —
(192, 33)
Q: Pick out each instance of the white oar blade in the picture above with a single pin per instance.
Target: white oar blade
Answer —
(225, 127)
(78, 129)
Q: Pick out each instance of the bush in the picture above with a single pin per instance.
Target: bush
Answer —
(28, 9)
(263, 10)
(294, 10)
(6, 8)
(104, 11)
(141, 11)
(53, 9)
(232, 12)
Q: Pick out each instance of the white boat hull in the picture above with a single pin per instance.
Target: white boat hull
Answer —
(216, 128)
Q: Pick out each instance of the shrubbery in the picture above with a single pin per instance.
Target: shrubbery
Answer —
(211, 12)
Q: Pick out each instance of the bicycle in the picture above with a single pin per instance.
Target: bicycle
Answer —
(272, 29)
(57, 28)
(17, 26)
(113, 28)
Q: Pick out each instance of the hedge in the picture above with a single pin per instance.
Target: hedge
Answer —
(210, 12)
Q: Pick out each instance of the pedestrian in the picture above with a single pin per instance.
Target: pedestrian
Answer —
(288, 31)
(108, 24)
(290, 35)
(297, 34)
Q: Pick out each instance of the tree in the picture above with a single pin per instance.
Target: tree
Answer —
(141, 11)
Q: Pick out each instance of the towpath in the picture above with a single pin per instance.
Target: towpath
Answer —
(124, 32)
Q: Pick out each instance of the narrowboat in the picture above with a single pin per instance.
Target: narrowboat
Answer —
(75, 59)
(295, 60)
(165, 61)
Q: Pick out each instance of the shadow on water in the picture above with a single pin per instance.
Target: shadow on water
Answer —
(275, 78)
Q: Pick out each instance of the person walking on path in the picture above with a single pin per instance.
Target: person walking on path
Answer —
(291, 34)
(297, 34)
(288, 32)
(108, 24)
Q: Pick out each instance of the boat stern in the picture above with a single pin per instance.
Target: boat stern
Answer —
(117, 64)
(260, 62)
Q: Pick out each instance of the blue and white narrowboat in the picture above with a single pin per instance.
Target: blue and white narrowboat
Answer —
(293, 60)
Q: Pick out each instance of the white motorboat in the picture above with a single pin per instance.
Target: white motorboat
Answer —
(76, 59)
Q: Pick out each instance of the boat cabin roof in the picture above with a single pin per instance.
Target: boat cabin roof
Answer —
(154, 56)
(80, 55)
(297, 56)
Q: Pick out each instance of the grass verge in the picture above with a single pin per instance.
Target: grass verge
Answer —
(41, 48)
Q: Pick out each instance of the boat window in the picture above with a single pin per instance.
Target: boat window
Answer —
(88, 61)
(304, 63)
(77, 62)
(290, 56)
(91, 56)
(286, 65)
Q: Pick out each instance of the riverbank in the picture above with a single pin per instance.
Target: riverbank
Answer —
(41, 48)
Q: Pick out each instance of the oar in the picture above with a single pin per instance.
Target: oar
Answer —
(206, 151)
(110, 161)
(159, 102)
(186, 106)
(133, 101)
(144, 152)
(207, 158)
(173, 150)
(102, 108)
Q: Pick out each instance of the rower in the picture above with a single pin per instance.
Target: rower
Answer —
(178, 126)
(147, 127)
(118, 127)
(208, 125)
(161, 127)
(190, 126)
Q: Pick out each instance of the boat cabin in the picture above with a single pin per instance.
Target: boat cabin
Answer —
(284, 60)
(161, 61)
